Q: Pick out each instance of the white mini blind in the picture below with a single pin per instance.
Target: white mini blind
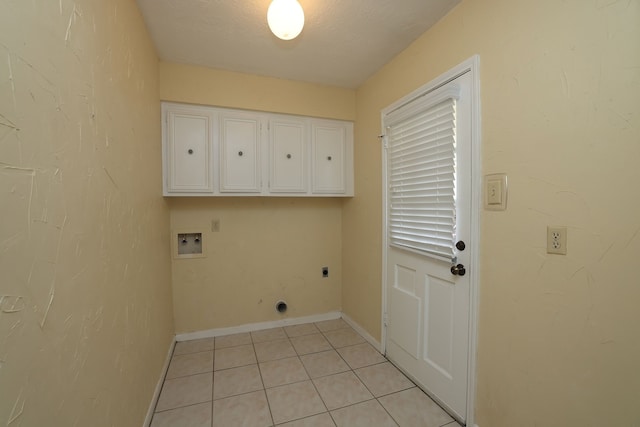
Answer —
(421, 140)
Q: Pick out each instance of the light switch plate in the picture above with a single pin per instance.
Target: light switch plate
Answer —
(495, 192)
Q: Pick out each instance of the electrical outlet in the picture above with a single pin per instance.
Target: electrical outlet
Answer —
(557, 240)
(325, 271)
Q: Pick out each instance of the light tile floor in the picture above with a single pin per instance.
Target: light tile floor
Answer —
(320, 374)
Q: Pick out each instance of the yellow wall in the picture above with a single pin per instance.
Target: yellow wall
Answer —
(206, 86)
(85, 298)
(560, 94)
(267, 248)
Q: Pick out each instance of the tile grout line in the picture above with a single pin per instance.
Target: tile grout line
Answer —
(377, 398)
(307, 372)
(311, 379)
(335, 349)
(264, 388)
(181, 407)
(190, 353)
(314, 386)
(297, 356)
(164, 381)
(385, 410)
(352, 370)
(213, 374)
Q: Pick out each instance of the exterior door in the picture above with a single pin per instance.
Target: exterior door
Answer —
(428, 303)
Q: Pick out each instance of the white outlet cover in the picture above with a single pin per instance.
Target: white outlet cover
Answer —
(557, 240)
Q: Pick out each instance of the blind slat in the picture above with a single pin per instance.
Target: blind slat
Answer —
(428, 135)
(422, 180)
(413, 170)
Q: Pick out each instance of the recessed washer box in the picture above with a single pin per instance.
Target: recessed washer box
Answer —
(188, 243)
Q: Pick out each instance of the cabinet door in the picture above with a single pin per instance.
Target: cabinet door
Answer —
(240, 153)
(188, 152)
(328, 157)
(287, 156)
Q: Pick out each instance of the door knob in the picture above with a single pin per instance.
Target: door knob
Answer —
(458, 270)
(460, 245)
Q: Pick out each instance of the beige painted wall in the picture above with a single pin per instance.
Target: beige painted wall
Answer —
(267, 248)
(85, 299)
(560, 93)
(206, 86)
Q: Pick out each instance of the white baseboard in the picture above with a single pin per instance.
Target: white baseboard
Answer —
(359, 329)
(156, 393)
(210, 333)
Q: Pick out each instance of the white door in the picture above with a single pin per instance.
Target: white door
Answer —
(240, 135)
(287, 171)
(188, 145)
(428, 211)
(328, 145)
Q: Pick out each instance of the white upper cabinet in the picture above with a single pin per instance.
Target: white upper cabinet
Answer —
(240, 153)
(210, 151)
(329, 148)
(188, 151)
(287, 156)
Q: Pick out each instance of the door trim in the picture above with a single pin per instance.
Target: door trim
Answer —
(472, 66)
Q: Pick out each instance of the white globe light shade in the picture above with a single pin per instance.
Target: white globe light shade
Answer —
(285, 18)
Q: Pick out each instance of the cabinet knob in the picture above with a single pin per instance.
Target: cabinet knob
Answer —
(190, 151)
(240, 153)
(329, 158)
(288, 156)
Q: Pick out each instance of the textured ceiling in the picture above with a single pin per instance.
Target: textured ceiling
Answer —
(342, 44)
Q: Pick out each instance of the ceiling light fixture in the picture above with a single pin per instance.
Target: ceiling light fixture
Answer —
(285, 18)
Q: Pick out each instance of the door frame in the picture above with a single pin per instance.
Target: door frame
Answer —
(471, 65)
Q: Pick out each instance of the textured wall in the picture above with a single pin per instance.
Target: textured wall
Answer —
(85, 299)
(267, 248)
(560, 94)
(206, 86)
